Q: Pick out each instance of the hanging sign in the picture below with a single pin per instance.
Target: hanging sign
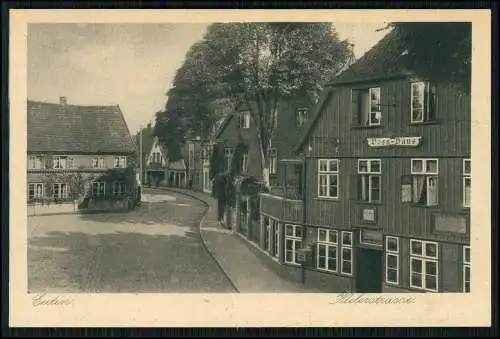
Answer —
(397, 141)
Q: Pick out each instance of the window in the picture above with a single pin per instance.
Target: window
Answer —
(60, 191)
(244, 162)
(267, 233)
(98, 162)
(206, 154)
(422, 186)
(467, 178)
(422, 101)
(274, 118)
(328, 178)
(466, 269)
(327, 250)
(228, 156)
(62, 162)
(369, 179)
(244, 119)
(293, 242)
(392, 260)
(276, 238)
(35, 191)
(35, 162)
(120, 162)
(365, 106)
(273, 160)
(98, 189)
(119, 188)
(346, 261)
(424, 265)
(301, 117)
(191, 155)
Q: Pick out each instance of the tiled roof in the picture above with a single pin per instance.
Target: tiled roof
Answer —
(386, 59)
(71, 128)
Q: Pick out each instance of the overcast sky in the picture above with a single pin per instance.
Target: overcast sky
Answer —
(131, 65)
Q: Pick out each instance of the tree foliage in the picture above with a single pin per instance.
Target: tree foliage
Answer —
(256, 65)
(439, 51)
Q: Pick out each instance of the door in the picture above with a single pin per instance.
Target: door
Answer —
(206, 180)
(369, 273)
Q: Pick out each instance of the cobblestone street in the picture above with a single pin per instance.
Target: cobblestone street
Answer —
(156, 248)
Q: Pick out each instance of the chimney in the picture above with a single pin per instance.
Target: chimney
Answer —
(62, 101)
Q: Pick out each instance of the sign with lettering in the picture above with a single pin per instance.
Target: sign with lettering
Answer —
(369, 214)
(396, 141)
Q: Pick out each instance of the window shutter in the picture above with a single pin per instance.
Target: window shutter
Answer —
(406, 189)
(354, 107)
(431, 101)
(353, 187)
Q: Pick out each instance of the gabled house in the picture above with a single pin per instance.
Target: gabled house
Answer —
(289, 120)
(162, 171)
(386, 178)
(77, 152)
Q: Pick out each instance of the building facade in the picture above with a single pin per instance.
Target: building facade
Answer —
(386, 171)
(79, 152)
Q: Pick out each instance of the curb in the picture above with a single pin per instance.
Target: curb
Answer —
(203, 240)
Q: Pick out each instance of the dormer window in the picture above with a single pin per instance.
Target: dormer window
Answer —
(422, 102)
(365, 107)
(245, 119)
(301, 116)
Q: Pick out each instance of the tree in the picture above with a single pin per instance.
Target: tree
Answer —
(259, 64)
(429, 43)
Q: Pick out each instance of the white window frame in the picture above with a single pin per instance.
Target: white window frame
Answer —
(425, 102)
(392, 253)
(274, 118)
(276, 238)
(466, 177)
(346, 247)
(302, 115)
(429, 176)
(35, 162)
(266, 223)
(99, 184)
(120, 161)
(374, 113)
(327, 245)
(296, 241)
(35, 185)
(244, 120)
(466, 266)
(65, 162)
(424, 258)
(273, 160)
(228, 156)
(60, 190)
(119, 188)
(244, 162)
(98, 162)
(327, 173)
(369, 173)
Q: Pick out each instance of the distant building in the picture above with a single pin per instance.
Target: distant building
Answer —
(78, 151)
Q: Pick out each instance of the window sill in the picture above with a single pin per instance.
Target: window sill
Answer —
(367, 203)
(435, 207)
(292, 264)
(433, 122)
(421, 289)
(327, 199)
(367, 127)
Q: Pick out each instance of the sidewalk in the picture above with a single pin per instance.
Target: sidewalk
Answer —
(247, 273)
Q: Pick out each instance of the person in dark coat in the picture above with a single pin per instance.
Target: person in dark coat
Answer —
(219, 187)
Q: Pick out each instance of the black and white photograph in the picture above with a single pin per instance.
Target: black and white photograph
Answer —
(323, 159)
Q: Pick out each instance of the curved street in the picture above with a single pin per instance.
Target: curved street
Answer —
(155, 248)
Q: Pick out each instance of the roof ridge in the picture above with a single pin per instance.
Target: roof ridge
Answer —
(73, 105)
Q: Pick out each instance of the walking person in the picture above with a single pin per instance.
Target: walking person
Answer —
(220, 194)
